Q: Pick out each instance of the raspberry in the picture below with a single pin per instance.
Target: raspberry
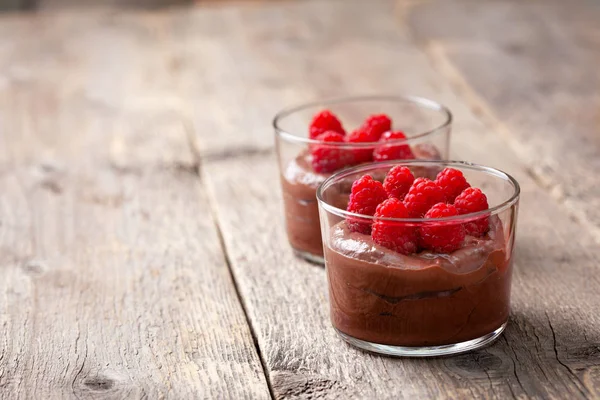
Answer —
(469, 201)
(442, 237)
(391, 151)
(365, 196)
(397, 182)
(325, 121)
(452, 182)
(377, 125)
(397, 236)
(421, 196)
(326, 159)
(362, 135)
(370, 131)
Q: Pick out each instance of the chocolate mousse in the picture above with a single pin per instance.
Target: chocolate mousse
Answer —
(422, 299)
(299, 186)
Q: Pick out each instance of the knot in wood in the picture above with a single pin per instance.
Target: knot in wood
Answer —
(478, 365)
(99, 383)
(34, 267)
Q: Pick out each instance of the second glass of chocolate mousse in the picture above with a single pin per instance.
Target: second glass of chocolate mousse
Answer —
(419, 255)
(315, 140)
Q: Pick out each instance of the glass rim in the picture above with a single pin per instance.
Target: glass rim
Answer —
(419, 101)
(514, 198)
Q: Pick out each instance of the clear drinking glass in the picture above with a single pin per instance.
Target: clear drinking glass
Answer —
(426, 124)
(426, 303)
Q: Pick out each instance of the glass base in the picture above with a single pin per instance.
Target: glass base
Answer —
(425, 351)
(313, 258)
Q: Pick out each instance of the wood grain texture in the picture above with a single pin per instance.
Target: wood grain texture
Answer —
(88, 219)
(550, 349)
(531, 70)
(114, 284)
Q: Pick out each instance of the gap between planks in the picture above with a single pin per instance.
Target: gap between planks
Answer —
(195, 149)
(263, 364)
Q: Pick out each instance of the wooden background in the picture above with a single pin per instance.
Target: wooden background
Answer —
(142, 251)
(45, 5)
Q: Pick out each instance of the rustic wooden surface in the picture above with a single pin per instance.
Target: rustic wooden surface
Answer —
(114, 283)
(531, 70)
(141, 234)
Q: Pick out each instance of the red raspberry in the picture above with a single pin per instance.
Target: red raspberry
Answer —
(421, 196)
(398, 236)
(442, 237)
(362, 135)
(365, 196)
(452, 182)
(369, 132)
(397, 182)
(393, 151)
(326, 159)
(377, 125)
(325, 121)
(469, 201)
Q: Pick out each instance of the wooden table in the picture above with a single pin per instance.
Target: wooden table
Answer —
(142, 250)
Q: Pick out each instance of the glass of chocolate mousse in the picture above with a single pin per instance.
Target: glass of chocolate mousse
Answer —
(419, 255)
(315, 140)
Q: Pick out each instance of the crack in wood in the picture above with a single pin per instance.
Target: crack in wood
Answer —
(193, 145)
(583, 391)
(477, 357)
(79, 372)
(514, 368)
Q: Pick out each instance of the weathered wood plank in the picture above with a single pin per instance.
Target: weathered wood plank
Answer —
(531, 70)
(550, 349)
(114, 283)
